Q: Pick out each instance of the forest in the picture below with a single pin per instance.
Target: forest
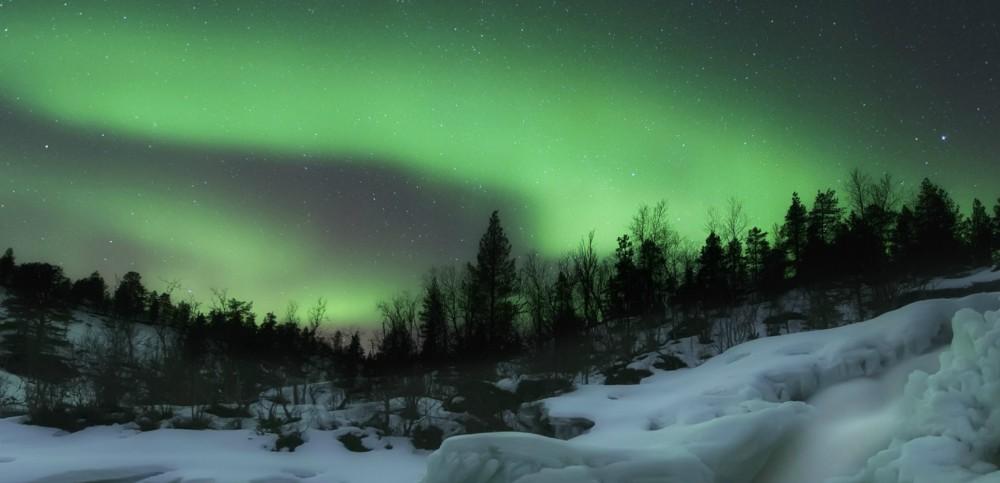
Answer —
(849, 254)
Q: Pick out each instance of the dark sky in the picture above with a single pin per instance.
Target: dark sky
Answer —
(296, 150)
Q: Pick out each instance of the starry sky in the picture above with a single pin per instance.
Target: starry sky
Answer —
(294, 150)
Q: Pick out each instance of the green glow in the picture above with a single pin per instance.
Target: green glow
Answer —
(432, 100)
(578, 119)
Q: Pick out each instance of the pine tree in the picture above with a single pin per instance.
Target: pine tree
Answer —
(494, 280)
(936, 227)
(622, 285)
(433, 324)
(980, 234)
(794, 231)
(756, 254)
(735, 264)
(6, 267)
(711, 278)
(652, 279)
(903, 240)
(822, 226)
(130, 296)
(996, 228)
(34, 332)
(91, 291)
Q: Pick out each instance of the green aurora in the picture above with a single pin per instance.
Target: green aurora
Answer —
(573, 113)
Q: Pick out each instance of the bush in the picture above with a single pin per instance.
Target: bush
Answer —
(535, 389)
(72, 419)
(352, 441)
(290, 441)
(669, 362)
(624, 375)
(196, 423)
(228, 412)
(429, 437)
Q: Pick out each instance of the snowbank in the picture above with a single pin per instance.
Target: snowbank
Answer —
(951, 432)
(718, 422)
(30, 453)
(985, 275)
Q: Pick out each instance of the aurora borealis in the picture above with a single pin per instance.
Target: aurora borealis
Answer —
(293, 150)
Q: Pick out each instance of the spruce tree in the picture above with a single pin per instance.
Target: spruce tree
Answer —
(936, 228)
(794, 231)
(980, 234)
(130, 296)
(822, 227)
(34, 332)
(711, 278)
(433, 324)
(756, 253)
(494, 280)
(6, 267)
(621, 286)
(996, 228)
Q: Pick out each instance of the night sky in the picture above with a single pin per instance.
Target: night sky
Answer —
(292, 150)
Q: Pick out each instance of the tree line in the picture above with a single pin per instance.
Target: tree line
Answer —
(573, 316)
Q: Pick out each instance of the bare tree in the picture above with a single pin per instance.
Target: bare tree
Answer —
(536, 282)
(586, 270)
(737, 326)
(729, 224)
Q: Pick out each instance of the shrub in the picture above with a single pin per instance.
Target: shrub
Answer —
(197, 423)
(352, 441)
(429, 437)
(290, 441)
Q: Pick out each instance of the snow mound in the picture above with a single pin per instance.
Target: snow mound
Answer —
(952, 429)
(718, 422)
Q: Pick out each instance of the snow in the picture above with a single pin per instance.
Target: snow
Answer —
(846, 405)
(29, 453)
(722, 421)
(985, 275)
(951, 431)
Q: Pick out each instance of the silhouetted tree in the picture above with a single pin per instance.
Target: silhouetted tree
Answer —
(711, 278)
(818, 261)
(494, 279)
(622, 285)
(130, 296)
(7, 264)
(980, 232)
(433, 324)
(936, 227)
(34, 333)
(91, 291)
(794, 232)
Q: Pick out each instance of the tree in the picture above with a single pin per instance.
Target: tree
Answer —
(130, 296)
(756, 254)
(711, 278)
(91, 291)
(794, 232)
(980, 232)
(587, 274)
(494, 280)
(433, 324)
(936, 227)
(903, 241)
(397, 346)
(996, 226)
(34, 334)
(821, 230)
(6, 267)
(621, 286)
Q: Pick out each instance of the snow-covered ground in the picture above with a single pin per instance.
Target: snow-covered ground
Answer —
(797, 408)
(733, 418)
(983, 275)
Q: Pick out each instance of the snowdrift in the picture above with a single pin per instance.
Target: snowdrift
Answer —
(720, 422)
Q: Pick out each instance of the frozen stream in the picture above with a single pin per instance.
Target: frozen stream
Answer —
(852, 421)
